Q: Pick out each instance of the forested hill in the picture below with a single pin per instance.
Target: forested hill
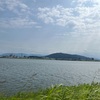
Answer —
(63, 56)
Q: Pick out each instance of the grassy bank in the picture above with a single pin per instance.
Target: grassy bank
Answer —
(60, 92)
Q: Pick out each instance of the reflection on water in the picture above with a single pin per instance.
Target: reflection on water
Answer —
(25, 75)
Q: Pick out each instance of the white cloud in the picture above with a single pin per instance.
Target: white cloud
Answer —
(56, 15)
(17, 23)
(39, 27)
(16, 6)
(80, 18)
(18, 14)
(86, 2)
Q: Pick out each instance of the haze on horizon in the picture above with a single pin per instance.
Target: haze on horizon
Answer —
(48, 26)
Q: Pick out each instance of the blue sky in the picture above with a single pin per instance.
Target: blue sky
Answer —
(48, 26)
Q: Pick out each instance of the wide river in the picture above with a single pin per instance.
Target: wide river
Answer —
(26, 74)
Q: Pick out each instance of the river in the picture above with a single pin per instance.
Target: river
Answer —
(18, 75)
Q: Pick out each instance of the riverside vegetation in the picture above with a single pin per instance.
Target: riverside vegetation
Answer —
(61, 92)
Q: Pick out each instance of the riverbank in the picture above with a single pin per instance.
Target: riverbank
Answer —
(60, 92)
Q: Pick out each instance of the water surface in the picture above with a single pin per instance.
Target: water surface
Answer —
(27, 74)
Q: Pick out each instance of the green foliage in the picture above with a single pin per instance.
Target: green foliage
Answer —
(60, 92)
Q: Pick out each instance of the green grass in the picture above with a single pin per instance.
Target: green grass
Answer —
(60, 92)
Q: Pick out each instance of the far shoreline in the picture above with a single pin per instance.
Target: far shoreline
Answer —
(50, 59)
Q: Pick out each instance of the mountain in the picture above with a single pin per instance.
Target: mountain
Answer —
(57, 56)
(63, 56)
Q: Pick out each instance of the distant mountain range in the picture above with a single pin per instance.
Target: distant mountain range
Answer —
(56, 56)
(19, 55)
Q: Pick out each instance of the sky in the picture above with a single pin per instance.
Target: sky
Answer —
(49, 26)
